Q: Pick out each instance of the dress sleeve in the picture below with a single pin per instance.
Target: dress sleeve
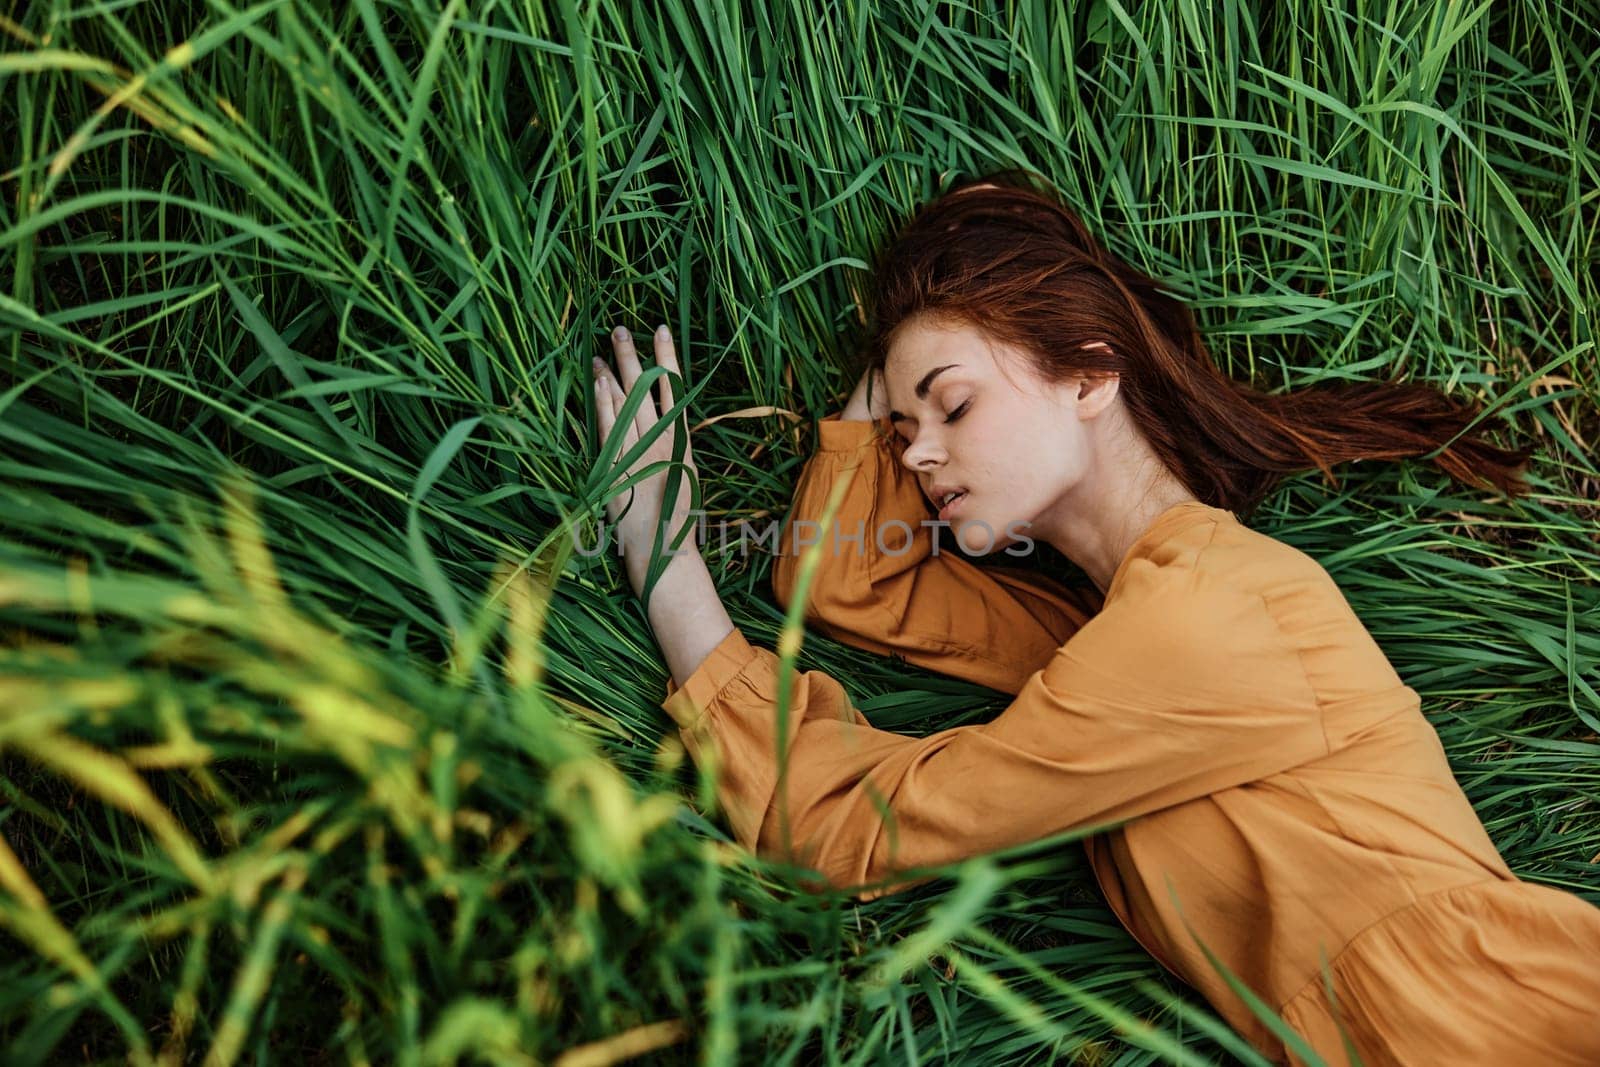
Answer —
(1147, 706)
(880, 586)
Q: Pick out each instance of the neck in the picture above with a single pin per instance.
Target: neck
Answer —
(1110, 507)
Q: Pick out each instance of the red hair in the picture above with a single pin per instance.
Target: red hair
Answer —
(1014, 262)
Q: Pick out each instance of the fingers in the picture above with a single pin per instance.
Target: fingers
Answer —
(629, 370)
(666, 356)
(605, 409)
(630, 431)
(602, 401)
(608, 398)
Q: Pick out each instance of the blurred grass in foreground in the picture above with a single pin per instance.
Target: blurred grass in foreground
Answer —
(316, 742)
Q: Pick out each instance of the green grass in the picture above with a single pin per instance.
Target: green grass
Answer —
(316, 744)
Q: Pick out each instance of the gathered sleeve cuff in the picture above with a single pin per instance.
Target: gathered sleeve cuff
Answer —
(846, 435)
(687, 703)
(728, 719)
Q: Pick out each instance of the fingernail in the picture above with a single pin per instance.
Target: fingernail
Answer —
(620, 333)
(662, 331)
(598, 364)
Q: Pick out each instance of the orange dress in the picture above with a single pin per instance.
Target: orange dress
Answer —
(1286, 803)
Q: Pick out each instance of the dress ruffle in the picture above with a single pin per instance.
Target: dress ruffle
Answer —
(1496, 972)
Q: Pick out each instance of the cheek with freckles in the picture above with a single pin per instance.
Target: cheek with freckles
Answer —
(1034, 480)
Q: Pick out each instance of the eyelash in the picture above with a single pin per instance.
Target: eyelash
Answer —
(958, 412)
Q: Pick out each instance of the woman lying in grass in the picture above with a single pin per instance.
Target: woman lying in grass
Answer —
(1287, 807)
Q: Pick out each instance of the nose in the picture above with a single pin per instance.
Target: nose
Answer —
(923, 454)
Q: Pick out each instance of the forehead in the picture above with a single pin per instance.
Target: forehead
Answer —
(922, 345)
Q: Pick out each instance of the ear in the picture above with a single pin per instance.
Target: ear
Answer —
(1096, 392)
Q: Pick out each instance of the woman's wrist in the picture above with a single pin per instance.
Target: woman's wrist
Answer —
(637, 549)
(686, 613)
(855, 411)
(857, 408)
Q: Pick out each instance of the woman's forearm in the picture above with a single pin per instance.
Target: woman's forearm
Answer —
(687, 614)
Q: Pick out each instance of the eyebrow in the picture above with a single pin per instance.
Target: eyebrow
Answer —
(922, 388)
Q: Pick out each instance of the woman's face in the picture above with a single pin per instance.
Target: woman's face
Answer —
(986, 424)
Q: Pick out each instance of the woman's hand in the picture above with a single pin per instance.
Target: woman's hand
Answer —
(636, 529)
(683, 608)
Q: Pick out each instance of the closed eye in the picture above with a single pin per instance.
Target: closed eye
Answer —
(952, 417)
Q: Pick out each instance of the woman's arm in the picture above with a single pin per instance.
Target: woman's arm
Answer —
(684, 609)
(861, 408)
(687, 615)
(1189, 692)
(878, 589)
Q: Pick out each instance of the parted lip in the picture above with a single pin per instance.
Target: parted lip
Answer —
(936, 493)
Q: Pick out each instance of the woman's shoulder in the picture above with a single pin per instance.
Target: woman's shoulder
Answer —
(1259, 560)
(1202, 555)
(1194, 536)
(1223, 607)
(1186, 619)
(1213, 571)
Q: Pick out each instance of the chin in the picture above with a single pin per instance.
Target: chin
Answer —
(972, 543)
(976, 536)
